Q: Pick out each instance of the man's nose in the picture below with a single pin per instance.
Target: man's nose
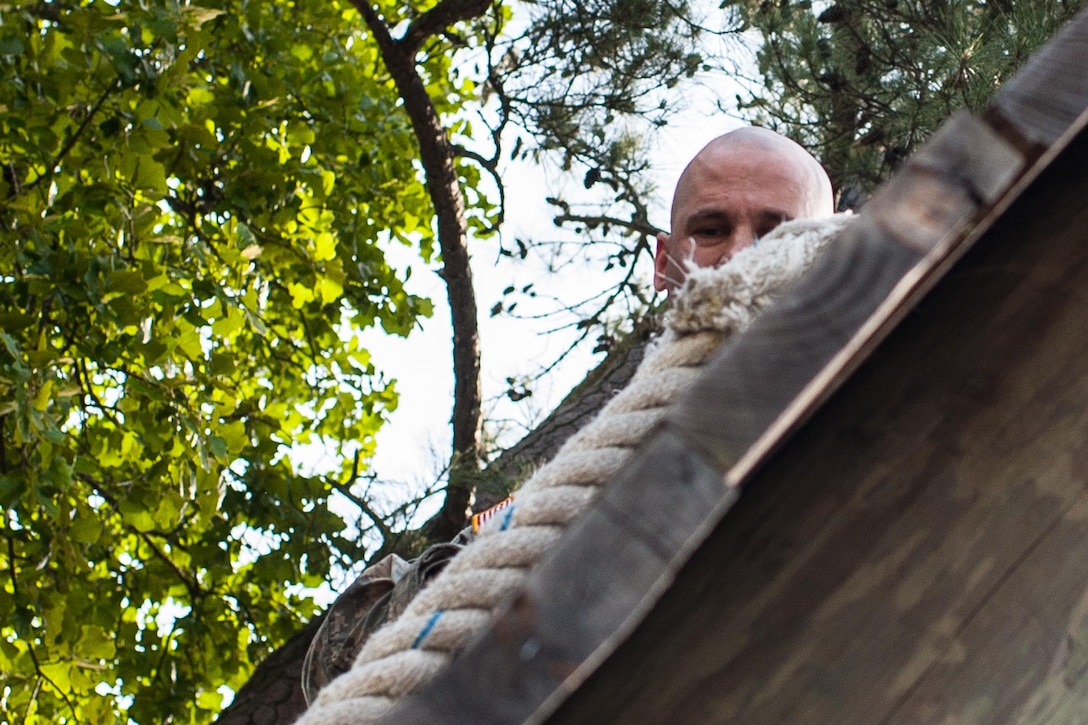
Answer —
(743, 238)
(740, 239)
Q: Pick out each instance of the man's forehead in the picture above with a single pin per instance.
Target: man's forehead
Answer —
(729, 212)
(771, 170)
(764, 181)
(737, 168)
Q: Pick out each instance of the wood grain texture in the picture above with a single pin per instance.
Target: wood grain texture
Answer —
(939, 205)
(854, 295)
(963, 171)
(916, 554)
(613, 565)
(838, 589)
(1039, 105)
(749, 382)
(598, 582)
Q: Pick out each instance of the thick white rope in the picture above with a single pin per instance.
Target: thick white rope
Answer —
(712, 304)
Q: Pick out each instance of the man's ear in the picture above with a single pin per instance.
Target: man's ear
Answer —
(661, 263)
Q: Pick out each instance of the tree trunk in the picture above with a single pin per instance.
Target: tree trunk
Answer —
(273, 695)
(438, 157)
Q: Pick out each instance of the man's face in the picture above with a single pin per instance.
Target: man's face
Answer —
(728, 197)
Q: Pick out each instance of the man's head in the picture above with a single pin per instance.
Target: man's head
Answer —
(738, 188)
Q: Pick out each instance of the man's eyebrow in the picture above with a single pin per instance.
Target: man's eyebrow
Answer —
(709, 215)
(781, 216)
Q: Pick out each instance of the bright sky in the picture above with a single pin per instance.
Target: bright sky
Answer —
(415, 443)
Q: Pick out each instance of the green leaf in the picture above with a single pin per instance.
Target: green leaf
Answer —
(324, 247)
(329, 289)
(95, 643)
(11, 488)
(11, 44)
(127, 282)
(209, 700)
(300, 294)
(14, 322)
(136, 515)
(221, 363)
(200, 15)
(85, 529)
(150, 176)
(218, 447)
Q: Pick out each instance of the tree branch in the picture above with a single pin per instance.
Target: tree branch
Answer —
(74, 138)
(491, 166)
(438, 18)
(437, 156)
(345, 490)
(191, 584)
(595, 220)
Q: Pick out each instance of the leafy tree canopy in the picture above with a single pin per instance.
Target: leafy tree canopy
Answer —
(192, 208)
(194, 200)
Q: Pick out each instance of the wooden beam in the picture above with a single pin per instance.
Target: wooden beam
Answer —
(916, 551)
(871, 418)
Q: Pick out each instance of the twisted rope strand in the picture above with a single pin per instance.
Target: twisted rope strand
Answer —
(405, 654)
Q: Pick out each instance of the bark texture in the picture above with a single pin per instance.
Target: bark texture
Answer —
(273, 695)
(582, 403)
(438, 156)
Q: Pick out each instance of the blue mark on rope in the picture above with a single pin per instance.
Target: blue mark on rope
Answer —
(427, 628)
(507, 517)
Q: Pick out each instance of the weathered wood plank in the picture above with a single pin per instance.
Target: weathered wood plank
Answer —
(917, 553)
(1030, 628)
(643, 526)
(538, 644)
(586, 599)
(1046, 98)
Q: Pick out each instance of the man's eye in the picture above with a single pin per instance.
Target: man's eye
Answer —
(769, 226)
(711, 232)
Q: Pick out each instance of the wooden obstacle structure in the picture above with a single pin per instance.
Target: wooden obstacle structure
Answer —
(873, 508)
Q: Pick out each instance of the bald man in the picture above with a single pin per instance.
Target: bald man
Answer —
(738, 188)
